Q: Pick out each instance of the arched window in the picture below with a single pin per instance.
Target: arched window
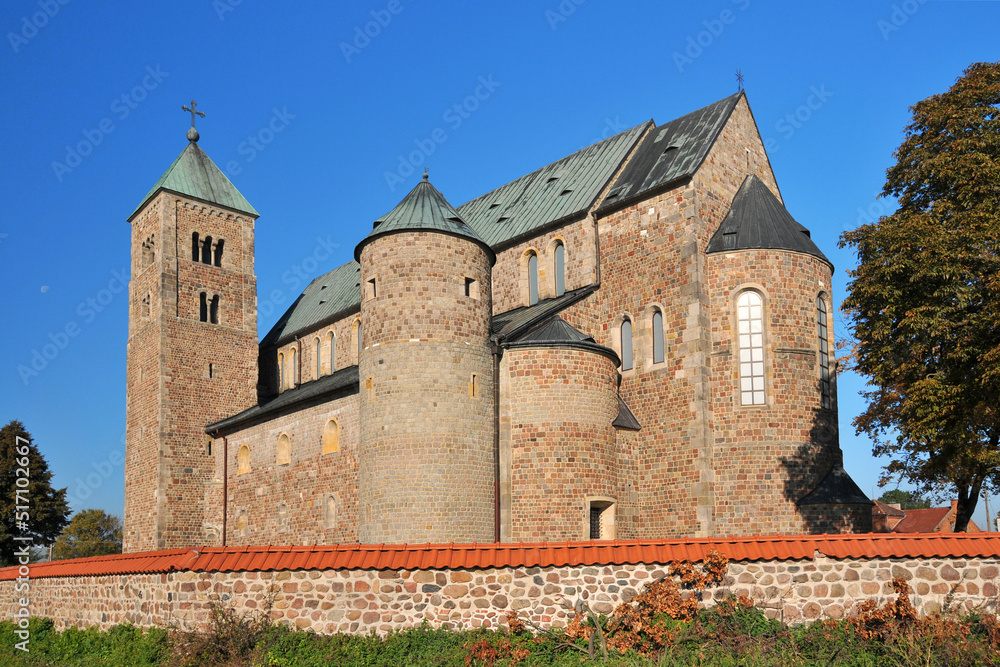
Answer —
(242, 523)
(281, 372)
(331, 437)
(243, 460)
(750, 322)
(657, 337)
(283, 456)
(627, 359)
(204, 307)
(532, 279)
(214, 314)
(218, 251)
(319, 358)
(332, 339)
(195, 247)
(825, 394)
(361, 344)
(559, 259)
(282, 518)
(293, 367)
(206, 250)
(330, 512)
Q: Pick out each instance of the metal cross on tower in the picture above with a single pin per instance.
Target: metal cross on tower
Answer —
(192, 134)
(739, 81)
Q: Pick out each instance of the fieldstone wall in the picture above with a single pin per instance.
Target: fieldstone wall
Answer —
(360, 601)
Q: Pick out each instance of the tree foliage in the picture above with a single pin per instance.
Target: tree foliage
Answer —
(924, 301)
(91, 532)
(45, 513)
(908, 500)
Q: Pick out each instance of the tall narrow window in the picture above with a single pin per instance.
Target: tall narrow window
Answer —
(204, 307)
(281, 372)
(218, 251)
(361, 344)
(330, 512)
(243, 460)
(825, 395)
(560, 268)
(657, 337)
(293, 370)
(283, 455)
(214, 311)
(627, 359)
(750, 320)
(145, 306)
(195, 247)
(333, 366)
(532, 279)
(319, 358)
(206, 250)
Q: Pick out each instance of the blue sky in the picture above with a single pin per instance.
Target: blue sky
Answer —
(314, 121)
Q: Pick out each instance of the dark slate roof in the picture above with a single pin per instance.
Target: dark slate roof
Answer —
(836, 488)
(757, 220)
(626, 419)
(670, 152)
(193, 174)
(327, 299)
(559, 191)
(423, 209)
(317, 390)
(556, 332)
(506, 326)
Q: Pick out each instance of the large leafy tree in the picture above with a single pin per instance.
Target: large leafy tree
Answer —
(90, 533)
(924, 301)
(45, 513)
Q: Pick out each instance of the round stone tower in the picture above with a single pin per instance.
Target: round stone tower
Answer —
(563, 390)
(778, 463)
(426, 461)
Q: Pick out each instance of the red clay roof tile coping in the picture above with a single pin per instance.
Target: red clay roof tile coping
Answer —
(544, 554)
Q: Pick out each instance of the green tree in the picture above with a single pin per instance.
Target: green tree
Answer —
(30, 509)
(924, 302)
(90, 533)
(908, 500)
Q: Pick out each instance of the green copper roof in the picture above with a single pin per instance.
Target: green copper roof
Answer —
(193, 174)
(425, 208)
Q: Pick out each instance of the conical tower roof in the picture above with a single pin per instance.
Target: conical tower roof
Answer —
(424, 209)
(757, 220)
(193, 174)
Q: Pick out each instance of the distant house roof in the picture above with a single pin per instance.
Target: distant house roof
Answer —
(758, 220)
(924, 521)
(193, 174)
(885, 509)
(424, 209)
(671, 152)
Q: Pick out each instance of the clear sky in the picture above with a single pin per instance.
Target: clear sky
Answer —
(315, 122)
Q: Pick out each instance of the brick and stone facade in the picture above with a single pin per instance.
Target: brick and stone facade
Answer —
(430, 323)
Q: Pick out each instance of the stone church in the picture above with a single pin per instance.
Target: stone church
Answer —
(633, 342)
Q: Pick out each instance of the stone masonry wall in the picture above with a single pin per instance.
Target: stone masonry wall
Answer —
(361, 601)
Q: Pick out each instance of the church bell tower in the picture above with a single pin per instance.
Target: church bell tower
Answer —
(192, 346)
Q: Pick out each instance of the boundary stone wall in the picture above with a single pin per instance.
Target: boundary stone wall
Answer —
(358, 601)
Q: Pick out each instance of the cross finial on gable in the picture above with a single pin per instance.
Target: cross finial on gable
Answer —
(192, 134)
(739, 79)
